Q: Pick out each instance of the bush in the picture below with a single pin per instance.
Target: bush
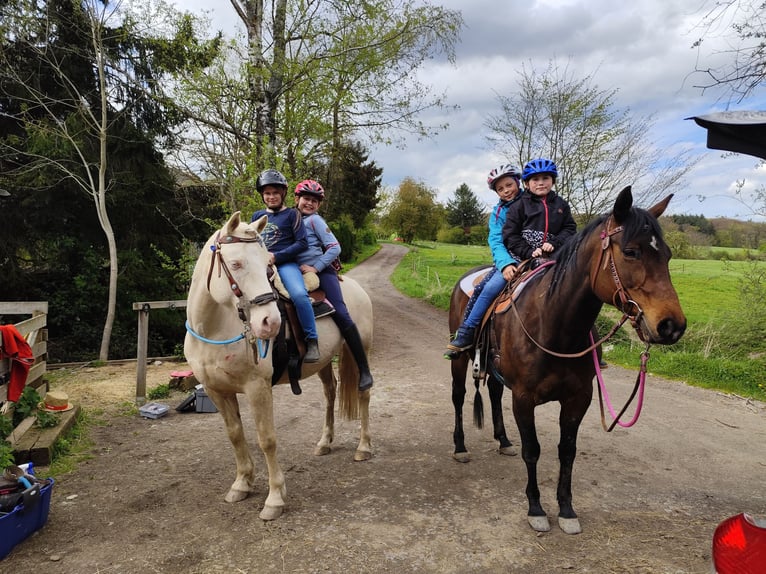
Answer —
(454, 235)
(343, 228)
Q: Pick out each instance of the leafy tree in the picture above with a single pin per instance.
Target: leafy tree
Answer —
(465, 209)
(598, 149)
(311, 76)
(413, 213)
(352, 184)
(80, 108)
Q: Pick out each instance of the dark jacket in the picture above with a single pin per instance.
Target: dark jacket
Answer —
(534, 220)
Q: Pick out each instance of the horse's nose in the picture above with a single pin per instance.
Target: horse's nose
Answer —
(670, 330)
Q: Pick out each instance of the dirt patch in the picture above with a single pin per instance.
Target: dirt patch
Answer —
(151, 497)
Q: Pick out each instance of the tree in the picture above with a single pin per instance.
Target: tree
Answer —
(745, 71)
(413, 213)
(76, 78)
(465, 209)
(352, 185)
(597, 148)
(312, 76)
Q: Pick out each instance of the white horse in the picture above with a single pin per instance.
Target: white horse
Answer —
(232, 317)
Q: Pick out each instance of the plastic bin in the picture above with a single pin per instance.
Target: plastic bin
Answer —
(203, 402)
(22, 522)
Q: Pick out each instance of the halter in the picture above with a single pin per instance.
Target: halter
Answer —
(243, 304)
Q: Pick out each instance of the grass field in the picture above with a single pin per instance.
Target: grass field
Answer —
(710, 354)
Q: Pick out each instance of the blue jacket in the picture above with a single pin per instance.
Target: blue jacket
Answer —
(323, 246)
(500, 254)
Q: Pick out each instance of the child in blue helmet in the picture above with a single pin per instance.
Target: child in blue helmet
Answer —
(505, 181)
(542, 221)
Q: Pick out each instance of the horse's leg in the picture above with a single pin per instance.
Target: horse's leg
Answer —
(498, 424)
(229, 408)
(524, 413)
(459, 367)
(262, 402)
(364, 448)
(572, 413)
(327, 377)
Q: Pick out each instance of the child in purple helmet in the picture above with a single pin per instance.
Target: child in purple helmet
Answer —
(503, 180)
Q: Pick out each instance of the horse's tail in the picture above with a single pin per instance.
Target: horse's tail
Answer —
(478, 407)
(348, 373)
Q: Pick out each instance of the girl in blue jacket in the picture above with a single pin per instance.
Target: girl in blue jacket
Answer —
(505, 181)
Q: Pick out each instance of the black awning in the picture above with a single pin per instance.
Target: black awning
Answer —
(738, 131)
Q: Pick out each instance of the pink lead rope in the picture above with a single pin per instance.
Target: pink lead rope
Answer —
(640, 382)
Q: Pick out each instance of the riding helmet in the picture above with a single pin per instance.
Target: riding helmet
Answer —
(310, 187)
(539, 166)
(502, 171)
(270, 177)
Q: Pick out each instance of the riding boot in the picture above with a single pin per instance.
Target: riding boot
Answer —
(463, 339)
(354, 341)
(312, 351)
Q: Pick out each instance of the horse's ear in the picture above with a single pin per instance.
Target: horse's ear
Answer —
(233, 222)
(659, 209)
(622, 205)
(260, 223)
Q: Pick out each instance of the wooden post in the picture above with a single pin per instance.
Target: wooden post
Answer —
(142, 345)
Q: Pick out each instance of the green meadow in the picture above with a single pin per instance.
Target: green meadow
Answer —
(724, 347)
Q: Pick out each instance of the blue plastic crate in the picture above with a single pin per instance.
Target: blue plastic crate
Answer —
(21, 522)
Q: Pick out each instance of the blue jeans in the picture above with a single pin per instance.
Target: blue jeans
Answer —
(492, 287)
(292, 278)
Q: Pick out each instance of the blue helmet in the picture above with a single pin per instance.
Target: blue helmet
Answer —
(538, 166)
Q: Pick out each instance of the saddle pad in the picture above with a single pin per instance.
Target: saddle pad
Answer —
(468, 282)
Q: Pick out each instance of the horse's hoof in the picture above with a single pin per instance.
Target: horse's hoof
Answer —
(539, 523)
(236, 495)
(271, 512)
(462, 456)
(570, 525)
(322, 450)
(362, 455)
(509, 450)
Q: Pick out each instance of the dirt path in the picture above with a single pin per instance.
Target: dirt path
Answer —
(649, 497)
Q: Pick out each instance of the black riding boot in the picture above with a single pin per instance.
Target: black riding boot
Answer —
(354, 341)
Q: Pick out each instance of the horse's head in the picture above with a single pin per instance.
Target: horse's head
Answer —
(633, 270)
(239, 273)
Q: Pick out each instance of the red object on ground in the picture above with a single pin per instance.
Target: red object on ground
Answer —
(176, 374)
(739, 545)
(16, 348)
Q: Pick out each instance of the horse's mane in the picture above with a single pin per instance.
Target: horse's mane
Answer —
(639, 221)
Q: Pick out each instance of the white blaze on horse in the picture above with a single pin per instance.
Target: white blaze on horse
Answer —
(232, 319)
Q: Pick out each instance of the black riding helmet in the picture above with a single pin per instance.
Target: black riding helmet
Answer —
(270, 177)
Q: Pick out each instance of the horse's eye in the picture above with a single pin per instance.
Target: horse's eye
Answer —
(236, 265)
(631, 253)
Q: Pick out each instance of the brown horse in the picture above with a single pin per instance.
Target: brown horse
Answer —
(620, 259)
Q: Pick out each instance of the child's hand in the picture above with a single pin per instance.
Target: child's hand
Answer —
(547, 247)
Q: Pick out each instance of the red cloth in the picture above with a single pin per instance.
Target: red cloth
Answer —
(16, 348)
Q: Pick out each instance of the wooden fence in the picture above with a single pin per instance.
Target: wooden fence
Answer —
(34, 330)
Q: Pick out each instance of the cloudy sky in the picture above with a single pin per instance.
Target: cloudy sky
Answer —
(642, 48)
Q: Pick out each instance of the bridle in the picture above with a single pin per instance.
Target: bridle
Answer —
(243, 304)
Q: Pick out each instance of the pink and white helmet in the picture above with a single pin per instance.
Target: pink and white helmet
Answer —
(502, 171)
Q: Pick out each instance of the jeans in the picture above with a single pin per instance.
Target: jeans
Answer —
(292, 278)
(492, 287)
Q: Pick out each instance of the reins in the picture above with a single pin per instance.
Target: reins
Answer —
(243, 304)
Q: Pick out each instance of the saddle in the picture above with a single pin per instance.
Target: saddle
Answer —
(289, 345)
(485, 342)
